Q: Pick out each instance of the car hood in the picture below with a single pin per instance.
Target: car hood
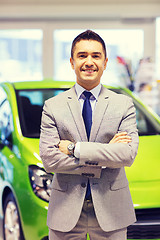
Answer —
(147, 163)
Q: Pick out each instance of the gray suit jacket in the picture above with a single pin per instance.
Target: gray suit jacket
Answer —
(62, 119)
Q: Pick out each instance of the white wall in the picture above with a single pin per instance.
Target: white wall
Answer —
(75, 9)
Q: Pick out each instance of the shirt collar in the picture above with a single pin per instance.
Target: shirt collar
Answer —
(95, 91)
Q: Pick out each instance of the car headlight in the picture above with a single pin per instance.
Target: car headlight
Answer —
(40, 182)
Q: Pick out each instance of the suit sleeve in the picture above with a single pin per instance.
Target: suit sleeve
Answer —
(114, 155)
(53, 159)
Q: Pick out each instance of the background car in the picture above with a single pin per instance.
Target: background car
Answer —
(24, 184)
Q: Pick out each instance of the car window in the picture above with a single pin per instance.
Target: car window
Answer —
(146, 123)
(30, 106)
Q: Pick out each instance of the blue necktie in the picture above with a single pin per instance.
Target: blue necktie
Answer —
(87, 112)
(87, 117)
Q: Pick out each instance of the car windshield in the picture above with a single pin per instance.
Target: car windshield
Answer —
(30, 106)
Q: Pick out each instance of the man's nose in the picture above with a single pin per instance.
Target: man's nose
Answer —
(89, 61)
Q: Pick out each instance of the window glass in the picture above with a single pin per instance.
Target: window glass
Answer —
(30, 105)
(120, 43)
(21, 54)
(146, 123)
(6, 123)
(158, 48)
(158, 65)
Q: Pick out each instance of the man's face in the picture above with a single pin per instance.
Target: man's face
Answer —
(88, 63)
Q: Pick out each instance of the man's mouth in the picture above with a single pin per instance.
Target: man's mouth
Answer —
(89, 70)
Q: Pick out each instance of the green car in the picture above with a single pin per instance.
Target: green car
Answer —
(24, 184)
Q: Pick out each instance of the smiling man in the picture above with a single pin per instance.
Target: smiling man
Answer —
(88, 63)
(88, 136)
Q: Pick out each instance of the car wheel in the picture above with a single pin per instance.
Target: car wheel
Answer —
(11, 222)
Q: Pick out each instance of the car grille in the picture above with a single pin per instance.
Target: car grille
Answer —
(147, 225)
(143, 232)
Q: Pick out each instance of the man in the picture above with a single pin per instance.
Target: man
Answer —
(86, 140)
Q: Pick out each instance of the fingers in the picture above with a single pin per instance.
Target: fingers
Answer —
(63, 144)
(121, 137)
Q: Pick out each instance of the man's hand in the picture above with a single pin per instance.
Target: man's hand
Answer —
(63, 146)
(121, 137)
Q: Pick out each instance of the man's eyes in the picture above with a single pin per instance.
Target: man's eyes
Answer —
(93, 56)
(82, 56)
(96, 56)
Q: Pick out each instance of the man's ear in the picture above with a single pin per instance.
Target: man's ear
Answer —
(72, 63)
(105, 64)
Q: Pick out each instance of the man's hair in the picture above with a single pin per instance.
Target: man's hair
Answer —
(88, 35)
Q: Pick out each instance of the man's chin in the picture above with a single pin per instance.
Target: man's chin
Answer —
(88, 83)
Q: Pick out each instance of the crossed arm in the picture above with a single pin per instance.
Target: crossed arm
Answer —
(121, 137)
(119, 152)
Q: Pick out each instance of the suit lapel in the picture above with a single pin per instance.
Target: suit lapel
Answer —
(99, 112)
(75, 109)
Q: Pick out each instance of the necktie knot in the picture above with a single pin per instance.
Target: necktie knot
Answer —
(87, 94)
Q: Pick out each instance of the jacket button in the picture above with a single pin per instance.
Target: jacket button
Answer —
(83, 185)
